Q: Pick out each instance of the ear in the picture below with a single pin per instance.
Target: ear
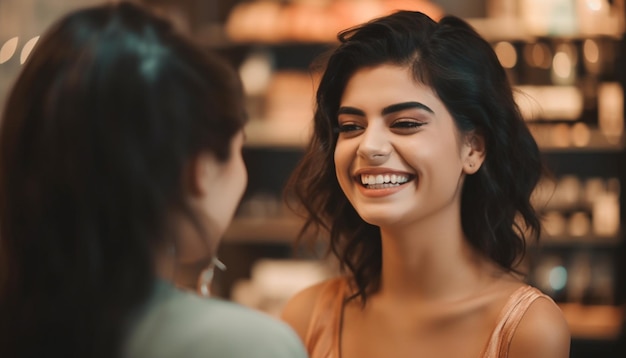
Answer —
(202, 171)
(473, 152)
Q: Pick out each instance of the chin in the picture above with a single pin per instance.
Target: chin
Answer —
(379, 218)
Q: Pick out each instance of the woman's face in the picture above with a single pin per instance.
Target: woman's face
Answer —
(399, 157)
(217, 189)
(225, 188)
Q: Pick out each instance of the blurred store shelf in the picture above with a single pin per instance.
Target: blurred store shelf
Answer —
(593, 321)
(277, 133)
(283, 229)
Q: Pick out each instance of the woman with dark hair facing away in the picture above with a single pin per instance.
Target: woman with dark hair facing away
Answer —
(420, 170)
(120, 168)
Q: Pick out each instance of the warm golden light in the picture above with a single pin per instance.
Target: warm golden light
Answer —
(562, 64)
(611, 111)
(28, 47)
(506, 54)
(594, 5)
(591, 51)
(581, 135)
(8, 49)
(538, 55)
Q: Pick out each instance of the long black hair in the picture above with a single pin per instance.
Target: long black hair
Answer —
(107, 113)
(463, 70)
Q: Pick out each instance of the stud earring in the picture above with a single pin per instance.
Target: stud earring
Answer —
(206, 277)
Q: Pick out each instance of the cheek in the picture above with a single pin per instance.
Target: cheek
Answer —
(240, 177)
(440, 148)
(343, 160)
(231, 185)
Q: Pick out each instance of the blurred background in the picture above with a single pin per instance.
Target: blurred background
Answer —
(566, 58)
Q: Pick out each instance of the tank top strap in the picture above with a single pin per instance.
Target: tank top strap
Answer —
(322, 337)
(508, 320)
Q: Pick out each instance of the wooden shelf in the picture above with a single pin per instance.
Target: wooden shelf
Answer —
(264, 230)
(514, 29)
(593, 321)
(579, 241)
(268, 133)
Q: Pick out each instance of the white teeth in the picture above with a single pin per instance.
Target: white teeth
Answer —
(367, 179)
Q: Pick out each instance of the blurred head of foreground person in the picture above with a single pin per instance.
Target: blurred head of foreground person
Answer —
(420, 171)
(120, 168)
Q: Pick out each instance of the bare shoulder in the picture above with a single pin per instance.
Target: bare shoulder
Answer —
(542, 332)
(299, 309)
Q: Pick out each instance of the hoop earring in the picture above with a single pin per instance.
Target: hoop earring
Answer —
(206, 277)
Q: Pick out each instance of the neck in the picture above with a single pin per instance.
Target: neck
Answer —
(431, 260)
(182, 274)
(182, 259)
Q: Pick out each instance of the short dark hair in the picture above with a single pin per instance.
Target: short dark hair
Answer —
(97, 133)
(463, 70)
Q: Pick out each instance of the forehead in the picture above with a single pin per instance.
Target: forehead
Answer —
(382, 85)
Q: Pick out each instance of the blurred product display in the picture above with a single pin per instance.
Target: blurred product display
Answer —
(310, 21)
(273, 282)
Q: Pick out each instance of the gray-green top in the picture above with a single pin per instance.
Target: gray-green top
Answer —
(179, 324)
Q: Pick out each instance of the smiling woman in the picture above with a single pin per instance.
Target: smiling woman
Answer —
(420, 170)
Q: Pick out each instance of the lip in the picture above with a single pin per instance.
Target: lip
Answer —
(380, 170)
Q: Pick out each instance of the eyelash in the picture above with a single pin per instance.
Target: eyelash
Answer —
(407, 124)
(350, 127)
(399, 125)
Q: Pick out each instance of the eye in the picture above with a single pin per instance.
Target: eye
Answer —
(407, 125)
(349, 127)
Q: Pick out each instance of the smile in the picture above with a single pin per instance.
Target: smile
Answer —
(383, 181)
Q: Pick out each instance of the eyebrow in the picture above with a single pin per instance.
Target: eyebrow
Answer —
(387, 110)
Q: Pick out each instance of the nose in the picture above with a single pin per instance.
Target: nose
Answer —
(374, 146)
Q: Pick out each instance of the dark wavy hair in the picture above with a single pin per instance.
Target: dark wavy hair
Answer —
(96, 139)
(463, 70)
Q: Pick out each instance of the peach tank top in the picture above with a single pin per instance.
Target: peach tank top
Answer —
(322, 338)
